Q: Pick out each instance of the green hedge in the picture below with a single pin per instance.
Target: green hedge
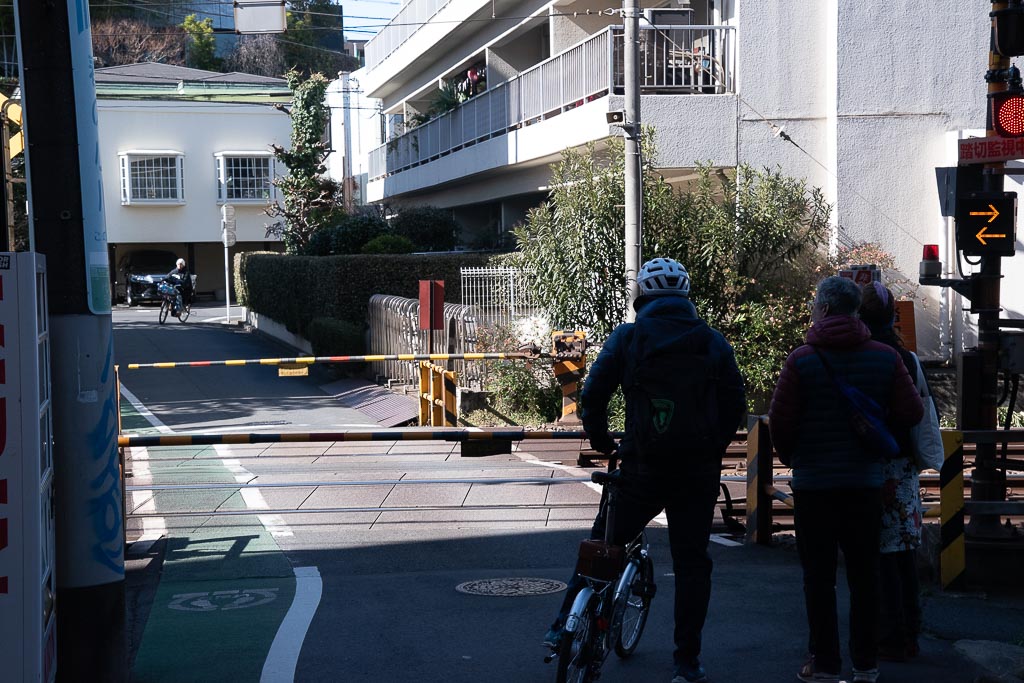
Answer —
(330, 337)
(293, 290)
(241, 274)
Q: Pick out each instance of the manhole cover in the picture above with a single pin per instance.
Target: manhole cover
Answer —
(511, 587)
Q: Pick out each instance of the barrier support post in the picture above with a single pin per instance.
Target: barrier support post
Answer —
(424, 393)
(436, 392)
(760, 473)
(953, 547)
(451, 415)
(569, 351)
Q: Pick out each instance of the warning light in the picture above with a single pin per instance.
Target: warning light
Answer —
(1008, 33)
(931, 266)
(1007, 108)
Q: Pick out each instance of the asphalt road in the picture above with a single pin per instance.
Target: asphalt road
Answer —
(353, 571)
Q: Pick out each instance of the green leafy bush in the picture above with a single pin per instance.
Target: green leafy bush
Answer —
(428, 227)
(348, 237)
(389, 244)
(241, 274)
(293, 290)
(330, 337)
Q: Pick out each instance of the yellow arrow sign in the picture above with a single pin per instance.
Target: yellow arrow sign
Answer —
(982, 236)
(993, 214)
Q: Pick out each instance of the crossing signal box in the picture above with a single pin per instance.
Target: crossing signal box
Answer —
(1008, 113)
(986, 223)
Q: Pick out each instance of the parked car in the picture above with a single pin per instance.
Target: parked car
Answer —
(142, 271)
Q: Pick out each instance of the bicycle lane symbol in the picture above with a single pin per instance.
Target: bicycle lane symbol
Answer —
(212, 601)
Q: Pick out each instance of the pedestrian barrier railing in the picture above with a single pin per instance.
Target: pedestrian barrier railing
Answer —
(951, 511)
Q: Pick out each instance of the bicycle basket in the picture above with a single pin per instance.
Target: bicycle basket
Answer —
(599, 560)
(166, 288)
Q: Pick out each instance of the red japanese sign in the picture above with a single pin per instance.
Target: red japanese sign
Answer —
(990, 150)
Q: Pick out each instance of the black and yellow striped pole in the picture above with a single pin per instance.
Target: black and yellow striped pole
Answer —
(953, 549)
(569, 351)
(327, 360)
(760, 471)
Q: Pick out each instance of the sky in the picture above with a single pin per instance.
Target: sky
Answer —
(358, 27)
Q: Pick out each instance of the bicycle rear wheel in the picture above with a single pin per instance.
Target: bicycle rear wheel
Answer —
(633, 612)
(576, 653)
(165, 308)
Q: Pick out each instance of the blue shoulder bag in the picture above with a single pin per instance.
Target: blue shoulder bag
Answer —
(867, 418)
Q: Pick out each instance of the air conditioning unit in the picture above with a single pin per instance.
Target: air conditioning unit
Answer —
(669, 16)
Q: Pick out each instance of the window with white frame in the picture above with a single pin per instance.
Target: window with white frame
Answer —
(149, 177)
(245, 176)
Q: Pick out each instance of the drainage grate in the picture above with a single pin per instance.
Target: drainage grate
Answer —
(511, 587)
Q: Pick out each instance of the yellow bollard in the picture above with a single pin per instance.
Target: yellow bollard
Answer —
(953, 546)
(424, 393)
(569, 350)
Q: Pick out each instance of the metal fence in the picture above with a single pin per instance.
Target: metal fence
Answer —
(394, 329)
(695, 59)
(410, 18)
(498, 295)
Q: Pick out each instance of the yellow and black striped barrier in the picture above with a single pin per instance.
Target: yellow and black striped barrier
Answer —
(953, 547)
(438, 406)
(315, 360)
(457, 435)
(569, 351)
(760, 464)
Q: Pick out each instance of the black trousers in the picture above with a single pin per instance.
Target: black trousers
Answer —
(827, 521)
(688, 497)
(900, 602)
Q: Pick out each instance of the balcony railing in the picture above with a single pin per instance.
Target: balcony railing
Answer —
(694, 59)
(409, 19)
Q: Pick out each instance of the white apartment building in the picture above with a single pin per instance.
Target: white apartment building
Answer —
(863, 99)
(177, 145)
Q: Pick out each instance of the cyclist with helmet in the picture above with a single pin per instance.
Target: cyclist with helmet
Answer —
(669, 348)
(181, 276)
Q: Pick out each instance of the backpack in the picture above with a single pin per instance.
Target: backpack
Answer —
(670, 384)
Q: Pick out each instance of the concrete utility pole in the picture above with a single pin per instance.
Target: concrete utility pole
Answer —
(346, 106)
(988, 483)
(631, 128)
(65, 196)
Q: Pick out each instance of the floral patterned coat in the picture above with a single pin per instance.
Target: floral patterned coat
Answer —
(901, 506)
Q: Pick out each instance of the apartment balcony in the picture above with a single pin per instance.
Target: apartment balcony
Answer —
(687, 83)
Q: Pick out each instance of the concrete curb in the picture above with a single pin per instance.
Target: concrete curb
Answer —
(1000, 662)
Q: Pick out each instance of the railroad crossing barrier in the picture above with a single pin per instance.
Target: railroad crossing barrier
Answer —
(437, 396)
(570, 352)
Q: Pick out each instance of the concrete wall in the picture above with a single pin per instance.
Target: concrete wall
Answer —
(566, 31)
(505, 62)
(198, 130)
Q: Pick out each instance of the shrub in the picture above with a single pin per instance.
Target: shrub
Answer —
(428, 227)
(389, 244)
(241, 274)
(331, 337)
(293, 290)
(348, 237)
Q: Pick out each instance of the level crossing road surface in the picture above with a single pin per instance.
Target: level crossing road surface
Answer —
(438, 581)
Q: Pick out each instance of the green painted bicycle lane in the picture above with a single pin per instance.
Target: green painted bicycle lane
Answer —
(224, 589)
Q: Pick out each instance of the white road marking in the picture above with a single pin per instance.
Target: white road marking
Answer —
(153, 528)
(254, 500)
(144, 411)
(283, 657)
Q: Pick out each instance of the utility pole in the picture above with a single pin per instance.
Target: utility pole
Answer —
(66, 216)
(631, 129)
(346, 186)
(988, 483)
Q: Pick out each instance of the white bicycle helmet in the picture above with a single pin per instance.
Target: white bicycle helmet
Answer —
(663, 276)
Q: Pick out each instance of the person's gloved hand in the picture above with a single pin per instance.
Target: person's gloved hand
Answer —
(603, 444)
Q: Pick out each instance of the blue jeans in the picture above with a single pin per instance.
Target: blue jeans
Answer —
(688, 496)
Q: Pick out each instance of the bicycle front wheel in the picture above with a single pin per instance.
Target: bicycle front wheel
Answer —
(165, 309)
(636, 604)
(577, 651)
(185, 312)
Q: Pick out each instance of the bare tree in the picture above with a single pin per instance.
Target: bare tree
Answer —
(130, 41)
(257, 54)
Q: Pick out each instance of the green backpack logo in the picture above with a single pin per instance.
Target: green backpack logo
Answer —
(661, 414)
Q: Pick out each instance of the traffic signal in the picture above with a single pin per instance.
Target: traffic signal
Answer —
(1007, 108)
(1008, 30)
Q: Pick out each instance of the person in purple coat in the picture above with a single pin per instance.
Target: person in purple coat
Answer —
(837, 480)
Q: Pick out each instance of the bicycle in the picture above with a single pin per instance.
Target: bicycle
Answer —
(610, 611)
(171, 303)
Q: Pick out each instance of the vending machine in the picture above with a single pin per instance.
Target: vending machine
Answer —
(28, 647)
